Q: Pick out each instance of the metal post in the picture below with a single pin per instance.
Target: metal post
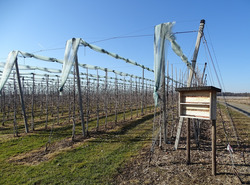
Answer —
(21, 98)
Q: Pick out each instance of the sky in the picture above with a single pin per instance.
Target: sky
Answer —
(126, 27)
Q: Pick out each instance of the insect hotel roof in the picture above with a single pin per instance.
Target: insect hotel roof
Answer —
(198, 102)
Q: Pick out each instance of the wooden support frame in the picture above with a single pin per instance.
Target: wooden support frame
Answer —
(193, 102)
(198, 102)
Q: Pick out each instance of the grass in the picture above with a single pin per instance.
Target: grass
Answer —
(94, 161)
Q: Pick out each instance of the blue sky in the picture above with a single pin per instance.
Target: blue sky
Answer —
(34, 25)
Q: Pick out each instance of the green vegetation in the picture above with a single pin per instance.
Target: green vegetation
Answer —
(92, 161)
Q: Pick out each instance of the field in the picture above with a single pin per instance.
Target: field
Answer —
(119, 153)
(169, 167)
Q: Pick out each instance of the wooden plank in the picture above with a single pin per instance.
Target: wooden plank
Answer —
(213, 147)
(213, 105)
(188, 141)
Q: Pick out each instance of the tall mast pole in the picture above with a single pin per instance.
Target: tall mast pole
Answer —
(202, 81)
(190, 78)
(196, 50)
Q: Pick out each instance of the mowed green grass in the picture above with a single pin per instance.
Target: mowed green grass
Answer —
(94, 161)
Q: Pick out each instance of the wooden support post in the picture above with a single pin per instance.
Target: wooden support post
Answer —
(131, 95)
(74, 105)
(58, 99)
(213, 147)
(190, 78)
(33, 102)
(88, 102)
(188, 141)
(97, 101)
(21, 98)
(80, 95)
(106, 97)
(3, 105)
(124, 99)
(167, 94)
(137, 96)
(146, 98)
(172, 102)
(47, 94)
(15, 107)
(142, 92)
(203, 73)
(165, 126)
(116, 98)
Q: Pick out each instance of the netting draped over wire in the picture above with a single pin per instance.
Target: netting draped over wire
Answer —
(163, 32)
(100, 93)
(115, 89)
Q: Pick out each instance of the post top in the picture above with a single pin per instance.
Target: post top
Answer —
(202, 21)
(201, 88)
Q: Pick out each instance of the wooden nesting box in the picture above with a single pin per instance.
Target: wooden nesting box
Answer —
(198, 102)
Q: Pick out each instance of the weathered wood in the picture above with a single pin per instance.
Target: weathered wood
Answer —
(213, 147)
(97, 102)
(124, 99)
(74, 106)
(200, 104)
(164, 111)
(88, 101)
(203, 73)
(197, 45)
(188, 141)
(3, 105)
(131, 95)
(142, 92)
(33, 102)
(116, 98)
(58, 99)
(15, 107)
(47, 94)
(106, 97)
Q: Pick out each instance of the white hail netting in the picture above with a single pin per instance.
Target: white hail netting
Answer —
(163, 32)
(69, 57)
(12, 57)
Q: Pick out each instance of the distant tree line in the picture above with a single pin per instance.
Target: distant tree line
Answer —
(234, 94)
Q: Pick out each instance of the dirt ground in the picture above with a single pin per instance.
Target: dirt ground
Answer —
(169, 167)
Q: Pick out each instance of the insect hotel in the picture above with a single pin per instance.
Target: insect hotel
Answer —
(199, 103)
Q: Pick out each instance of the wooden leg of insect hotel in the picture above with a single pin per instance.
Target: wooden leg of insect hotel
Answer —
(188, 141)
(213, 147)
